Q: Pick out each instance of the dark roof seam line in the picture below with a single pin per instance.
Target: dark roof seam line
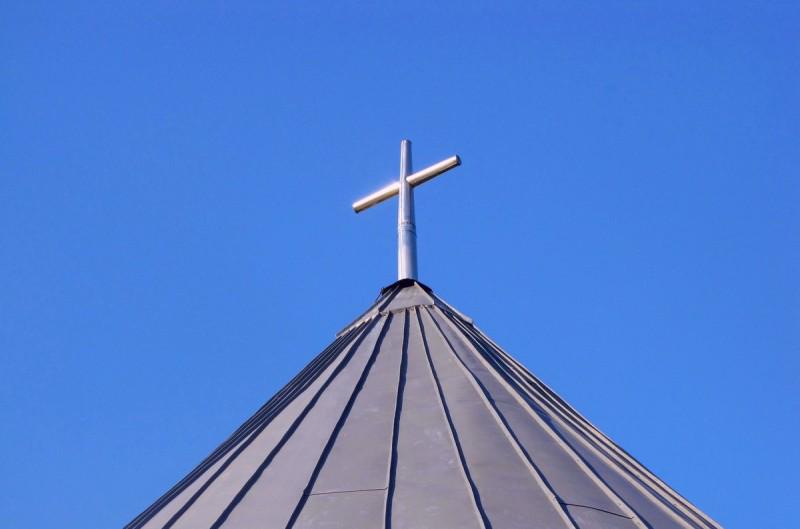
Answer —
(508, 432)
(398, 408)
(475, 496)
(583, 465)
(389, 298)
(326, 450)
(331, 351)
(620, 456)
(677, 512)
(247, 438)
(361, 320)
(581, 435)
(290, 431)
(372, 311)
(445, 306)
(295, 387)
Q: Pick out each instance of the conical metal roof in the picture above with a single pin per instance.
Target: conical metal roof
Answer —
(413, 418)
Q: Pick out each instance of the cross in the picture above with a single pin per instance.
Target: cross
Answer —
(406, 227)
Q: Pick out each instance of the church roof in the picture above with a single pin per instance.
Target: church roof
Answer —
(413, 418)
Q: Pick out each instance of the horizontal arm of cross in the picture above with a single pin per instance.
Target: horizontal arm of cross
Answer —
(414, 180)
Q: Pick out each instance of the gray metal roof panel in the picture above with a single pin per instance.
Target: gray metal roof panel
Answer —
(414, 418)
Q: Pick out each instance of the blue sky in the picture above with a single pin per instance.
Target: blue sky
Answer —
(176, 239)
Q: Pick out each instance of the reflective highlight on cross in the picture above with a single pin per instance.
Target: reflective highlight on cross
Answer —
(404, 187)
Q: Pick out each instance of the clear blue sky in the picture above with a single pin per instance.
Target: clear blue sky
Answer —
(176, 238)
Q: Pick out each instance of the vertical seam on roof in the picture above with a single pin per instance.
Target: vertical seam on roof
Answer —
(326, 450)
(508, 432)
(233, 439)
(398, 407)
(261, 418)
(494, 369)
(290, 431)
(389, 297)
(621, 458)
(290, 391)
(452, 309)
(373, 311)
(665, 505)
(475, 496)
(285, 401)
(618, 456)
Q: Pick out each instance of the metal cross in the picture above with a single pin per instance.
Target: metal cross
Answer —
(406, 227)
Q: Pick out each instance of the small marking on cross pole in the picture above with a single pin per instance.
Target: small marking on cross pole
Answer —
(404, 187)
